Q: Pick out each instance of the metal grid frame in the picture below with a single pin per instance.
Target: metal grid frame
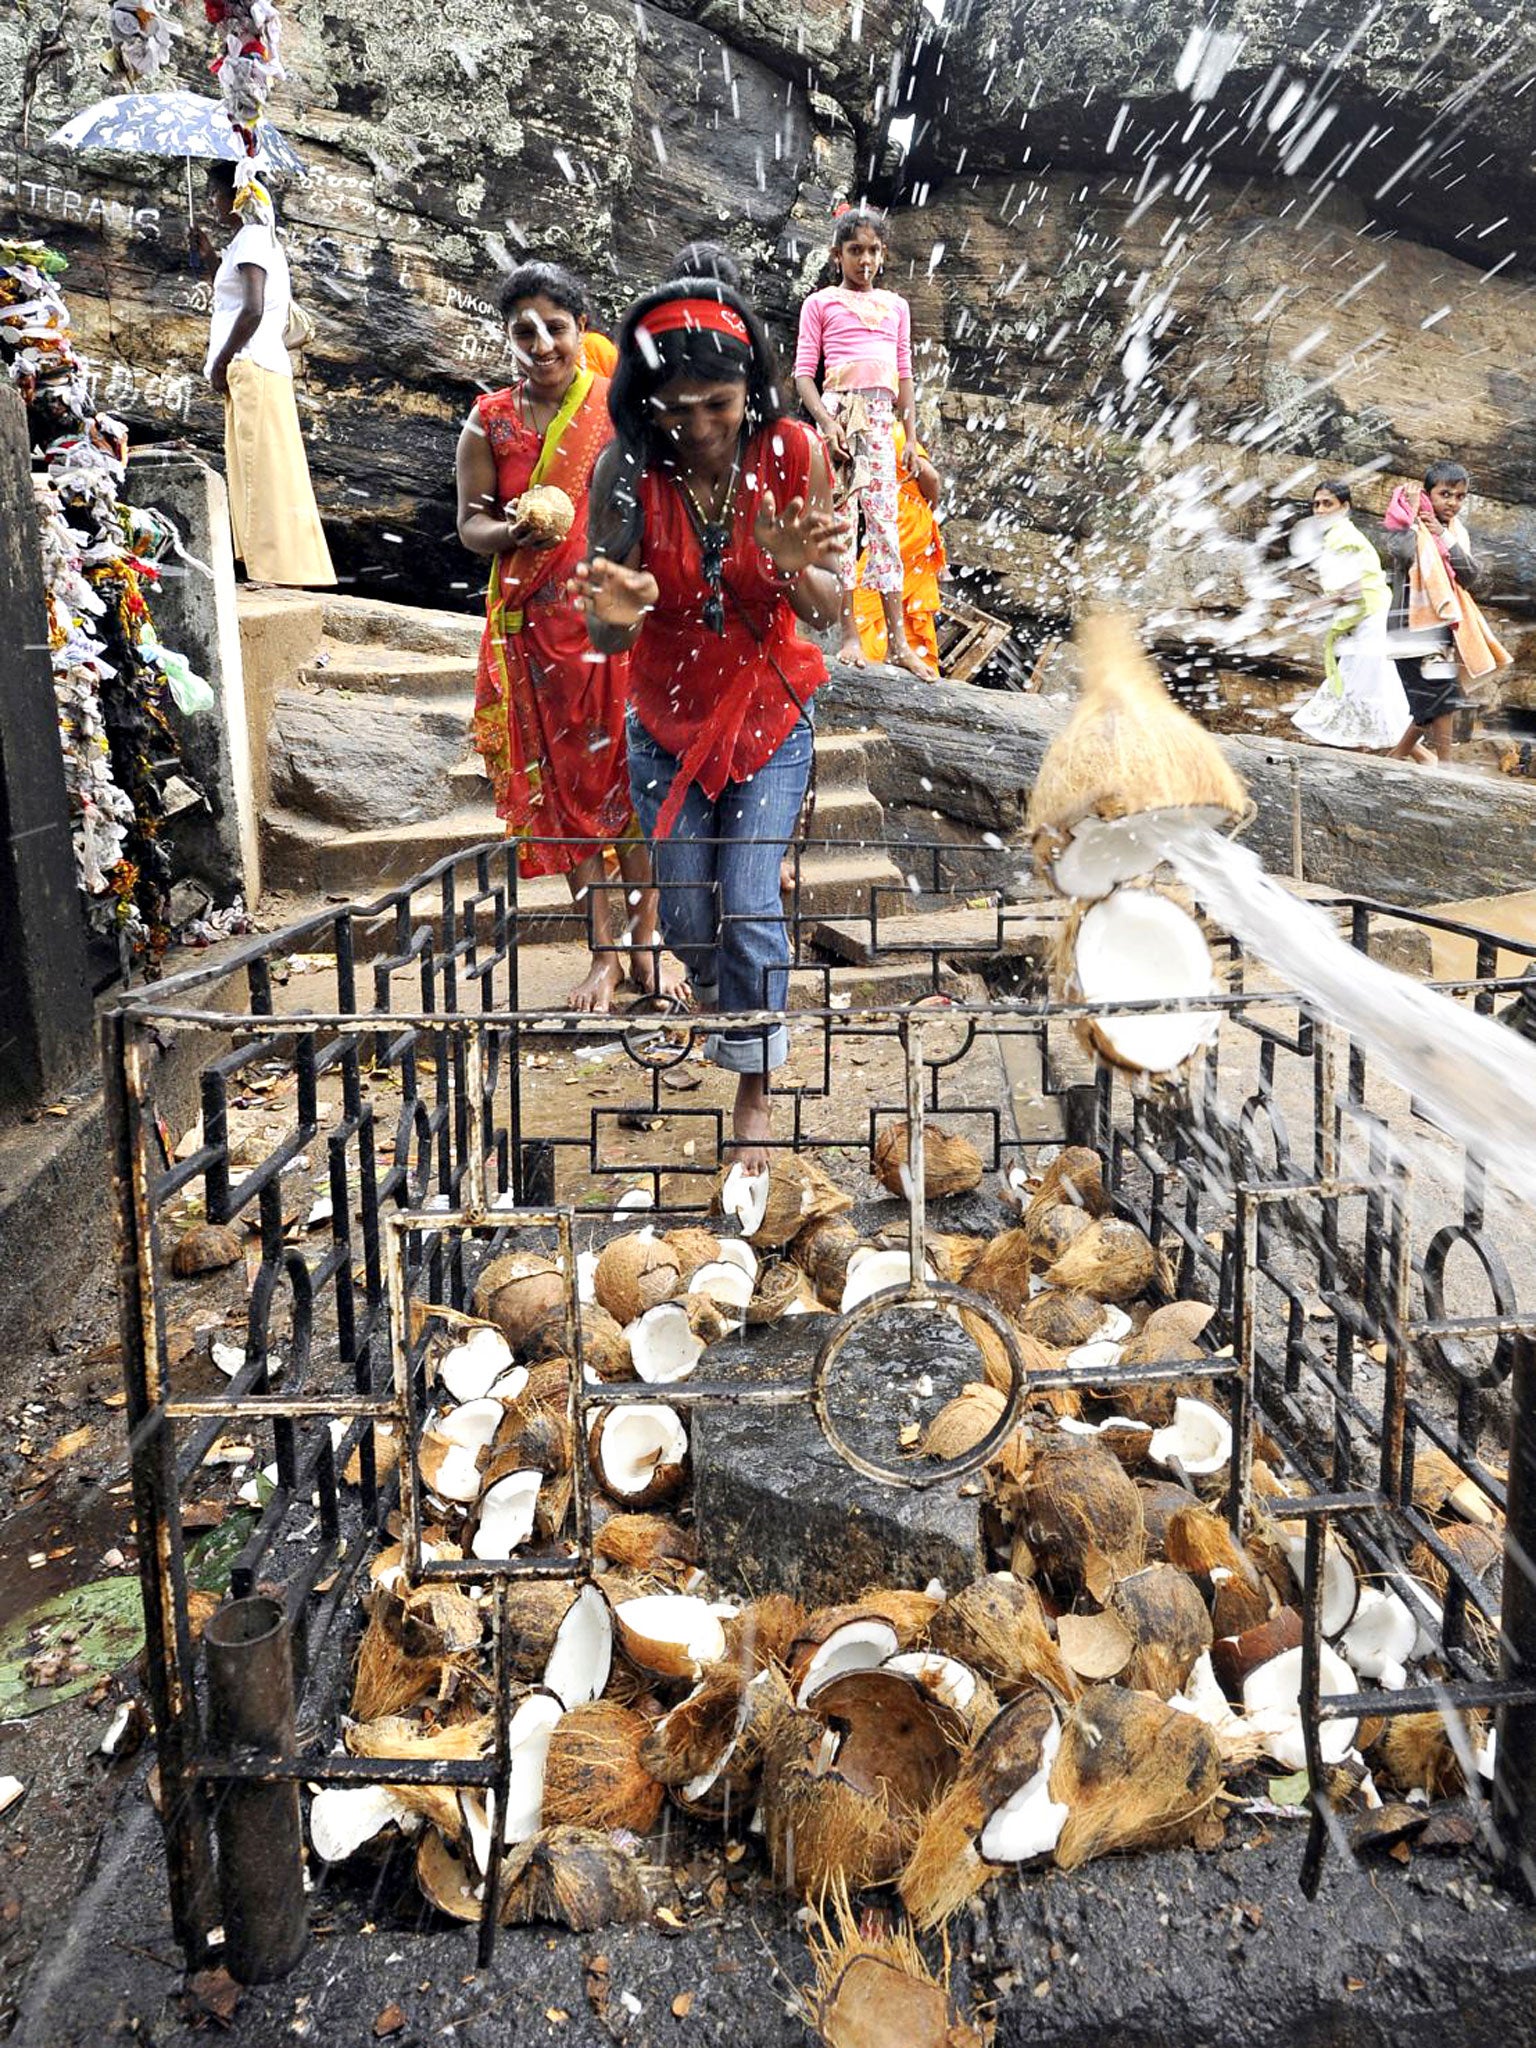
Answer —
(468, 1160)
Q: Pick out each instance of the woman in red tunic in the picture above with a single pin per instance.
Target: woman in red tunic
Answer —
(549, 714)
(713, 535)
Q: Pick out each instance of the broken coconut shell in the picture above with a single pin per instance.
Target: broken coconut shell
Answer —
(604, 1348)
(636, 1272)
(694, 1246)
(876, 1990)
(997, 1625)
(571, 1877)
(1234, 1659)
(1200, 1543)
(799, 1193)
(1054, 1229)
(1110, 1261)
(1075, 1176)
(205, 1248)
(961, 1424)
(1012, 1757)
(951, 1164)
(822, 1251)
(1003, 1272)
(1132, 1773)
(594, 1776)
(1415, 1752)
(446, 1878)
(1061, 1318)
(1162, 1608)
(516, 1292)
(639, 1452)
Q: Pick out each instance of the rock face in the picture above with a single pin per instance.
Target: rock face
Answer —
(1159, 283)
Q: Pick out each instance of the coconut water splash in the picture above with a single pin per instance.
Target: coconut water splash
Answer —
(1474, 1078)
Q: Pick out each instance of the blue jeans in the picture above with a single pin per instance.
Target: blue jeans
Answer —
(718, 873)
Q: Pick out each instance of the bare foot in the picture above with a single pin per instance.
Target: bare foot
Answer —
(786, 878)
(751, 1122)
(906, 656)
(670, 982)
(1423, 754)
(595, 992)
(852, 651)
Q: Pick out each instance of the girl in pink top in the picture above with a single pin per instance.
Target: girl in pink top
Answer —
(860, 339)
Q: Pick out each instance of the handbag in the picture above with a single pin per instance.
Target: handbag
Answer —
(300, 329)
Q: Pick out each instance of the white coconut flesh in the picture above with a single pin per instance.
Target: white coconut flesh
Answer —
(636, 1198)
(701, 1786)
(950, 1682)
(1138, 946)
(1272, 1703)
(456, 1476)
(582, 1657)
(663, 1631)
(635, 1440)
(528, 1753)
(1341, 1589)
(1029, 1821)
(586, 1277)
(506, 1514)
(725, 1282)
(472, 1368)
(735, 1251)
(1199, 1439)
(662, 1346)
(856, 1646)
(872, 1271)
(1115, 1327)
(1103, 852)
(510, 1386)
(745, 1196)
(344, 1818)
(1382, 1638)
(1203, 1697)
(1095, 1357)
(472, 1423)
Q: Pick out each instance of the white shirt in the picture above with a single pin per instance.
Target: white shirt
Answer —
(258, 246)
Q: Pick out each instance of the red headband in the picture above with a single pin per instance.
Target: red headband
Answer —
(708, 315)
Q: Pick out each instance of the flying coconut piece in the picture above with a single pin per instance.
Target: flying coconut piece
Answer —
(507, 1509)
(345, 1818)
(1199, 1439)
(662, 1345)
(1127, 763)
(1272, 1703)
(582, 1654)
(1138, 945)
(671, 1634)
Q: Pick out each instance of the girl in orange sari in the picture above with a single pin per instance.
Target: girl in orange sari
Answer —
(549, 715)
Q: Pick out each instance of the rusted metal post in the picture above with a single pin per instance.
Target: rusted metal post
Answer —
(917, 1164)
(261, 1871)
(1514, 1784)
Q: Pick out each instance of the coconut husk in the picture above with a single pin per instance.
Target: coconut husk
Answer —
(695, 1246)
(1002, 1272)
(1127, 748)
(1082, 1515)
(446, 1877)
(398, 1735)
(1127, 1440)
(647, 1543)
(1075, 1176)
(1415, 1753)
(517, 1292)
(945, 1868)
(950, 1253)
(439, 1621)
(1111, 1260)
(636, 1272)
(951, 1164)
(707, 1319)
(535, 1610)
(997, 1626)
(780, 1286)
(765, 1632)
(822, 1251)
(877, 1990)
(690, 1739)
(1061, 1318)
(604, 1347)
(386, 1680)
(571, 1877)
(1479, 1551)
(995, 1367)
(1054, 1229)
(896, 1740)
(1168, 1335)
(1200, 1543)
(1133, 1774)
(907, 1610)
(1161, 1500)
(821, 1830)
(594, 1776)
(386, 1456)
(1162, 1608)
(205, 1248)
(961, 1424)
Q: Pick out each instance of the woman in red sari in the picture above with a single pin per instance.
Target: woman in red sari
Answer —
(549, 714)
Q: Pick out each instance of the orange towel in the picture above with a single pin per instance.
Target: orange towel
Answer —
(1435, 598)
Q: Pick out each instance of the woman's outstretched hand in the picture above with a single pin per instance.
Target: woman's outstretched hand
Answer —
(799, 537)
(613, 595)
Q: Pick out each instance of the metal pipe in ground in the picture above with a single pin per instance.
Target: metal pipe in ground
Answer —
(1514, 1784)
(261, 1871)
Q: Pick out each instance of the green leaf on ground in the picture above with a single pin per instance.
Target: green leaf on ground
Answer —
(1291, 1791)
(66, 1644)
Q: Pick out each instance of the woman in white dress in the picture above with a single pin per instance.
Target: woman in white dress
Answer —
(1360, 702)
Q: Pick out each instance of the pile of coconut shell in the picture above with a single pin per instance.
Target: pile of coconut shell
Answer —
(1117, 1685)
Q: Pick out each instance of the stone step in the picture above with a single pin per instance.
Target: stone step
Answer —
(391, 671)
(401, 628)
